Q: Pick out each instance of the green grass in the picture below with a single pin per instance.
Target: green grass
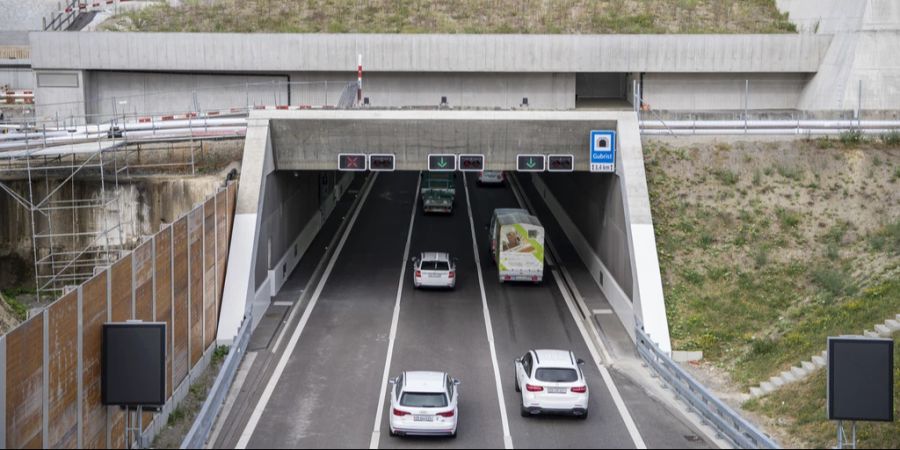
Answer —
(726, 177)
(461, 16)
(757, 288)
(19, 309)
(891, 139)
(803, 405)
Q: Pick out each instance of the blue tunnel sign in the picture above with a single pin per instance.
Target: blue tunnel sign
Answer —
(603, 151)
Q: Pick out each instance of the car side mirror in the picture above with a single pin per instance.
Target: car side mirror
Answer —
(580, 362)
(518, 360)
(392, 381)
(455, 382)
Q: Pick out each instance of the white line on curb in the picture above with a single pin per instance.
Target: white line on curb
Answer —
(282, 363)
(507, 436)
(376, 430)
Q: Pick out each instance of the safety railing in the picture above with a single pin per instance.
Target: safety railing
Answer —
(206, 419)
(62, 19)
(727, 422)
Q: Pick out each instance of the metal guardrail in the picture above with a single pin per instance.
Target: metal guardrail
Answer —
(203, 424)
(720, 416)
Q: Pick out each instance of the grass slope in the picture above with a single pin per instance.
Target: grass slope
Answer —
(460, 16)
(768, 249)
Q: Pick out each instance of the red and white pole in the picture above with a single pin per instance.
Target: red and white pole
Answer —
(359, 79)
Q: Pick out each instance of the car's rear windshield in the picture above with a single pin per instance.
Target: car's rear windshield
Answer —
(435, 265)
(423, 400)
(556, 375)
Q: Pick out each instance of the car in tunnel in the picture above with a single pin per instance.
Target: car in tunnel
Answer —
(424, 404)
(491, 177)
(434, 270)
(551, 382)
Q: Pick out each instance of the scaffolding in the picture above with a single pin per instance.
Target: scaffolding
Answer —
(75, 230)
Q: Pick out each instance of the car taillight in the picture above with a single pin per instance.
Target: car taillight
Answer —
(507, 277)
(399, 413)
(452, 274)
(534, 278)
(579, 389)
(532, 388)
(446, 414)
(418, 274)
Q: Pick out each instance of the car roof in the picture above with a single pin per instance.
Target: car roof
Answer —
(557, 358)
(422, 381)
(435, 256)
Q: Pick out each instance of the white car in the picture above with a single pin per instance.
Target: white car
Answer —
(491, 177)
(433, 269)
(424, 404)
(551, 381)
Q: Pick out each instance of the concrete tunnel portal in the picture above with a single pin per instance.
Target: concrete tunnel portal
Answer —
(290, 185)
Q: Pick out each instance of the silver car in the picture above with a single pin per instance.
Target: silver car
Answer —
(434, 269)
(495, 177)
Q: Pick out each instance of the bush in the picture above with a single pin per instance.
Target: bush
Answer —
(726, 177)
(891, 139)
(851, 138)
(788, 219)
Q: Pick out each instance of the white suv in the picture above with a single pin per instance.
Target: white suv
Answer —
(424, 404)
(551, 381)
(434, 269)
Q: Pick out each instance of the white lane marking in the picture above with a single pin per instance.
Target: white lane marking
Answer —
(282, 363)
(604, 372)
(600, 312)
(284, 303)
(376, 430)
(507, 436)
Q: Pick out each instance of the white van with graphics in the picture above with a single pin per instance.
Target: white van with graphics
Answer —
(517, 245)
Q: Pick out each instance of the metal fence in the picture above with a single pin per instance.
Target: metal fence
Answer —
(727, 422)
(206, 419)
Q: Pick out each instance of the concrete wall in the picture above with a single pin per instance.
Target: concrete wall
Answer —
(144, 204)
(232, 52)
(311, 139)
(462, 89)
(159, 93)
(292, 199)
(705, 92)
(16, 78)
(60, 93)
(594, 203)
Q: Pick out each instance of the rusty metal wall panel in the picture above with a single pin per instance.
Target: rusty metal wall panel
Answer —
(221, 244)
(24, 384)
(121, 290)
(142, 258)
(164, 295)
(63, 371)
(95, 312)
(195, 237)
(180, 274)
(210, 315)
(121, 311)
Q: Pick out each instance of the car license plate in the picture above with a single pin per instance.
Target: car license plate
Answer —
(434, 275)
(423, 418)
(556, 390)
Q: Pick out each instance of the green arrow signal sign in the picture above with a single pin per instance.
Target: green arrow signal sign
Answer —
(442, 162)
(531, 163)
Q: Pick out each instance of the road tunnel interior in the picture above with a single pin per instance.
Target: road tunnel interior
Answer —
(591, 216)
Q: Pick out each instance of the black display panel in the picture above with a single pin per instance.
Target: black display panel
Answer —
(352, 162)
(381, 163)
(861, 379)
(442, 163)
(471, 163)
(133, 368)
(560, 163)
(530, 163)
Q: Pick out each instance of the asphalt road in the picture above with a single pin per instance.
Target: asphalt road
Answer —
(330, 390)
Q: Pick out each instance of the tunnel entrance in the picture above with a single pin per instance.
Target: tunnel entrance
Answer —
(295, 177)
(602, 91)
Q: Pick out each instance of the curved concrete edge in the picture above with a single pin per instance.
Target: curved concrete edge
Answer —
(649, 300)
(240, 296)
